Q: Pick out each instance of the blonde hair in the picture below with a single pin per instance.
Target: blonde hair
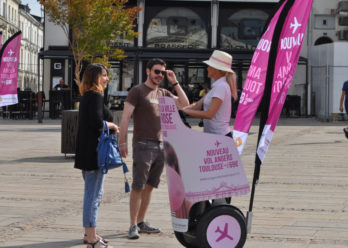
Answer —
(91, 78)
(231, 79)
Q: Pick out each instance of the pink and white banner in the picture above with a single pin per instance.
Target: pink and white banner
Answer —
(254, 85)
(199, 166)
(9, 56)
(289, 47)
(288, 53)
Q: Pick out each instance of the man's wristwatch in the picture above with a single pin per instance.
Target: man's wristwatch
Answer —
(175, 84)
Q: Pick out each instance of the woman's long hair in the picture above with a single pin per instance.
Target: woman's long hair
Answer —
(231, 79)
(91, 78)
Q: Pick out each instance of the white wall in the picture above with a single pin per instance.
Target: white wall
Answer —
(340, 73)
(329, 71)
(54, 35)
(324, 9)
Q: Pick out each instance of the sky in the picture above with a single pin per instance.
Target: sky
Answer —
(34, 6)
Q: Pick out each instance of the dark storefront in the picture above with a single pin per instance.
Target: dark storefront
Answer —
(184, 33)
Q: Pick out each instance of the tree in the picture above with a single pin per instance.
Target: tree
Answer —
(94, 26)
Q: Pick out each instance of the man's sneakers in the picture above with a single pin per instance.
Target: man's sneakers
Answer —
(345, 132)
(142, 227)
(133, 232)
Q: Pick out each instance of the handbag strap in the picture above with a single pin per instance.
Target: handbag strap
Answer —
(105, 131)
(107, 162)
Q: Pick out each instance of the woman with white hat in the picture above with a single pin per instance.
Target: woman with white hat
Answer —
(217, 103)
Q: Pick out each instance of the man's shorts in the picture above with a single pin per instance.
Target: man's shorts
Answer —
(148, 163)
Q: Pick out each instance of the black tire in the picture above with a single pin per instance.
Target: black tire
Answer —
(186, 240)
(224, 213)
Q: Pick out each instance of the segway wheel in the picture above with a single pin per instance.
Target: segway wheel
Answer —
(186, 240)
(222, 227)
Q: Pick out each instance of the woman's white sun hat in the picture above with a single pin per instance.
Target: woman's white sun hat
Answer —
(220, 60)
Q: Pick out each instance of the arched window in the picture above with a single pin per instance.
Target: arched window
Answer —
(322, 40)
(242, 29)
(177, 27)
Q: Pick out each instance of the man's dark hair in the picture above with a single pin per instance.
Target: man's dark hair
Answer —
(155, 61)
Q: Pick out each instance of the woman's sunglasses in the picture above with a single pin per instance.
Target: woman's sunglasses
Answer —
(159, 71)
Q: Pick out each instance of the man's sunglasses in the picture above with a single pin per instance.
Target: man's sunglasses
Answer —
(159, 71)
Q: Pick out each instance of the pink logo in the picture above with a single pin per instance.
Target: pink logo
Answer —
(11, 52)
(223, 233)
(295, 25)
(228, 237)
(217, 143)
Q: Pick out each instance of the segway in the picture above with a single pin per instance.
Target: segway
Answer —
(203, 172)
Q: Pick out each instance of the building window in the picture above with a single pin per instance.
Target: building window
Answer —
(242, 29)
(113, 85)
(122, 42)
(4, 9)
(177, 27)
(324, 22)
(120, 80)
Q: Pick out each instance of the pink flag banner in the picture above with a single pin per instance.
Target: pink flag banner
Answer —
(9, 55)
(254, 85)
(288, 53)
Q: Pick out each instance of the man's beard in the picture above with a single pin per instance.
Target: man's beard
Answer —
(154, 82)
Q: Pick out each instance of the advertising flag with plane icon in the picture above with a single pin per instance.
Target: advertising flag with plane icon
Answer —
(288, 53)
(273, 64)
(269, 78)
(9, 56)
(254, 84)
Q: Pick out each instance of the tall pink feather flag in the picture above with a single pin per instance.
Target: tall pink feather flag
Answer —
(288, 53)
(254, 84)
(285, 61)
(269, 79)
(9, 58)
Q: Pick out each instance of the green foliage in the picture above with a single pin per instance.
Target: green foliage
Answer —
(94, 25)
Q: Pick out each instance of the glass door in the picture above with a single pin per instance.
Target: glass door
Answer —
(197, 76)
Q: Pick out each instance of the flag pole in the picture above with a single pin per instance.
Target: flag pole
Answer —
(265, 102)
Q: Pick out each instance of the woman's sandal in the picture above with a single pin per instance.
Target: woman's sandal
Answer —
(100, 237)
(93, 245)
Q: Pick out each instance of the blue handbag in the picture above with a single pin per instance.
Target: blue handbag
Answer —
(109, 155)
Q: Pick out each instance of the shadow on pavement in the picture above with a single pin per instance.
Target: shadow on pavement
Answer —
(53, 244)
(46, 159)
(67, 243)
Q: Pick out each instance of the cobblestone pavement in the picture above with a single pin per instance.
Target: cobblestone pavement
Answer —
(300, 201)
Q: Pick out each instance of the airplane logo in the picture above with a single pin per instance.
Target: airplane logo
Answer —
(223, 233)
(217, 143)
(11, 52)
(295, 25)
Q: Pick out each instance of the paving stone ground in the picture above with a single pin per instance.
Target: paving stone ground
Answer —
(301, 200)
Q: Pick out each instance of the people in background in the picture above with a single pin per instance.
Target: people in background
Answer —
(344, 98)
(61, 85)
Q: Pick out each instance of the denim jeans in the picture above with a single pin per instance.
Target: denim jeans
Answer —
(94, 190)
